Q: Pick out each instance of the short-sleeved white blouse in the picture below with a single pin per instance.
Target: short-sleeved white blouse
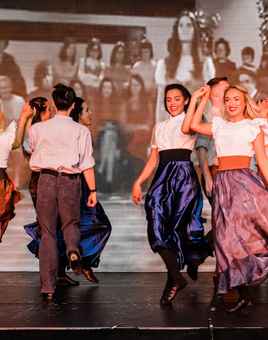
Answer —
(7, 139)
(235, 138)
(168, 135)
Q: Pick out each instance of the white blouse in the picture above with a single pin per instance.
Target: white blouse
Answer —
(168, 135)
(265, 131)
(235, 138)
(7, 139)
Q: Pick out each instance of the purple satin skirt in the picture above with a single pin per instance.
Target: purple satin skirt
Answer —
(173, 208)
(240, 220)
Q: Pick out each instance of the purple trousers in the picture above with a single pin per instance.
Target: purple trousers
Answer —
(57, 196)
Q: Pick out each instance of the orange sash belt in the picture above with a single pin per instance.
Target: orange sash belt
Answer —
(233, 162)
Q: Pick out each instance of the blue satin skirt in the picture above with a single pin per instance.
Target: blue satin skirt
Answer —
(95, 230)
(173, 208)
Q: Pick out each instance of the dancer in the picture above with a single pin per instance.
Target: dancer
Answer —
(60, 161)
(205, 146)
(10, 138)
(42, 112)
(240, 212)
(174, 200)
(95, 227)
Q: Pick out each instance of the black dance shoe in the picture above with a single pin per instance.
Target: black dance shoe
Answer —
(67, 281)
(240, 304)
(192, 271)
(89, 275)
(75, 261)
(171, 290)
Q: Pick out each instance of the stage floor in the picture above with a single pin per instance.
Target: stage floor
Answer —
(123, 300)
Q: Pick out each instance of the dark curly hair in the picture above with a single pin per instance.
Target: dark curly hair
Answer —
(40, 106)
(63, 96)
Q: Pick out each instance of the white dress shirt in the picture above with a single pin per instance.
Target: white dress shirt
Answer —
(60, 144)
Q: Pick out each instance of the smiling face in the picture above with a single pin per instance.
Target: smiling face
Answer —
(235, 104)
(175, 102)
(185, 29)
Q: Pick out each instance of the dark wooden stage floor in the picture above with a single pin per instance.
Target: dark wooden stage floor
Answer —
(124, 306)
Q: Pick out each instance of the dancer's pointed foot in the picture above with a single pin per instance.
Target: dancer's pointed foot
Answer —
(171, 290)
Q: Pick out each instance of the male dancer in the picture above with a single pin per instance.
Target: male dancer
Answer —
(205, 146)
(61, 150)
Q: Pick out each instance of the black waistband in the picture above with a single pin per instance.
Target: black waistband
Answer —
(57, 173)
(175, 155)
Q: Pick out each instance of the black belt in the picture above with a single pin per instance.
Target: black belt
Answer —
(175, 155)
(57, 173)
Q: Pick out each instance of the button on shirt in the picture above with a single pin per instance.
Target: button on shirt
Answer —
(7, 139)
(60, 144)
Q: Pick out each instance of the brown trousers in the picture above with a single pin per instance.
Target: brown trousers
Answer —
(57, 196)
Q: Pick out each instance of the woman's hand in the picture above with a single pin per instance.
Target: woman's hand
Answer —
(203, 91)
(136, 193)
(92, 199)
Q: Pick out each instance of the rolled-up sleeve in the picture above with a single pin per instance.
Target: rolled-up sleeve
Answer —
(87, 160)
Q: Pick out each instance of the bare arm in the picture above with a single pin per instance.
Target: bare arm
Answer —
(261, 157)
(202, 92)
(89, 175)
(145, 174)
(26, 113)
(197, 125)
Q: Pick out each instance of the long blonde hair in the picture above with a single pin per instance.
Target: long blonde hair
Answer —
(251, 110)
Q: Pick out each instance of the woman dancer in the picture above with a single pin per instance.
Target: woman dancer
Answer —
(240, 211)
(10, 138)
(174, 201)
(95, 227)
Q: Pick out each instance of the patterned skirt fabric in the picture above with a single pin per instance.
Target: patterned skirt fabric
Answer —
(8, 198)
(173, 208)
(240, 220)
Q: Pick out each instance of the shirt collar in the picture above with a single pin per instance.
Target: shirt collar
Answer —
(178, 117)
(62, 116)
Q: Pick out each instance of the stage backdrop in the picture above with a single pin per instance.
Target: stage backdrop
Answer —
(118, 57)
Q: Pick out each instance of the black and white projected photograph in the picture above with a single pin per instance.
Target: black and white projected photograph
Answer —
(133, 169)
